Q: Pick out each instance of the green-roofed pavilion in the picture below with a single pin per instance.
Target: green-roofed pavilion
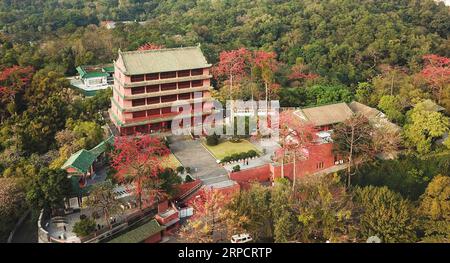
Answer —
(80, 161)
(150, 232)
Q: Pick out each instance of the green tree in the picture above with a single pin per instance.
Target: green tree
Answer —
(48, 189)
(435, 210)
(254, 204)
(324, 211)
(84, 227)
(385, 214)
(423, 127)
(391, 106)
(77, 135)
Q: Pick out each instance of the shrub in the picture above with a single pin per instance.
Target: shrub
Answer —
(84, 227)
(243, 156)
(212, 140)
(252, 153)
(226, 159)
(236, 168)
(83, 216)
(188, 179)
(180, 169)
(235, 157)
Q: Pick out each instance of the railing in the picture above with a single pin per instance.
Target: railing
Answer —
(131, 220)
(165, 115)
(166, 92)
(161, 81)
(160, 105)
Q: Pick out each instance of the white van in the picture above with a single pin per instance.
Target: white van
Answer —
(242, 238)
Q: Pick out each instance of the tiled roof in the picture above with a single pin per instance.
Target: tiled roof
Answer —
(81, 161)
(162, 60)
(86, 74)
(325, 115)
(139, 234)
(367, 111)
(102, 147)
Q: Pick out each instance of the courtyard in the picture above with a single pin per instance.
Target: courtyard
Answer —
(203, 165)
(226, 148)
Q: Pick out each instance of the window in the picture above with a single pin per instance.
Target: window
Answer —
(197, 72)
(137, 78)
(139, 114)
(169, 98)
(168, 86)
(153, 100)
(153, 76)
(168, 75)
(184, 96)
(152, 88)
(153, 112)
(142, 128)
(197, 83)
(166, 110)
(184, 73)
(139, 102)
(319, 165)
(184, 85)
(138, 90)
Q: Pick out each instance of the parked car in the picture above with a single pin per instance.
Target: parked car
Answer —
(242, 238)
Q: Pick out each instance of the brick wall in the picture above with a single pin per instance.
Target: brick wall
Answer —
(259, 174)
(321, 157)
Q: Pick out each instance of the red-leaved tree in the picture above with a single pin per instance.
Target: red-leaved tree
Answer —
(137, 160)
(437, 72)
(267, 63)
(300, 72)
(233, 65)
(13, 82)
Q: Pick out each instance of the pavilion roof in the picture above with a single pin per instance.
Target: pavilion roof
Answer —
(87, 72)
(162, 60)
(80, 161)
(140, 233)
(83, 159)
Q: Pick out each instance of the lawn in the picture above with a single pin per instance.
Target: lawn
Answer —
(170, 161)
(227, 148)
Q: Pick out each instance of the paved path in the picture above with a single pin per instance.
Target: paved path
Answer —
(27, 232)
(203, 166)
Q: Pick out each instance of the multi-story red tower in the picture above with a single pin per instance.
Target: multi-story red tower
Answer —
(147, 83)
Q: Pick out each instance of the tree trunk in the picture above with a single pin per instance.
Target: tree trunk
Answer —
(294, 172)
(350, 157)
(231, 86)
(105, 212)
(392, 85)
